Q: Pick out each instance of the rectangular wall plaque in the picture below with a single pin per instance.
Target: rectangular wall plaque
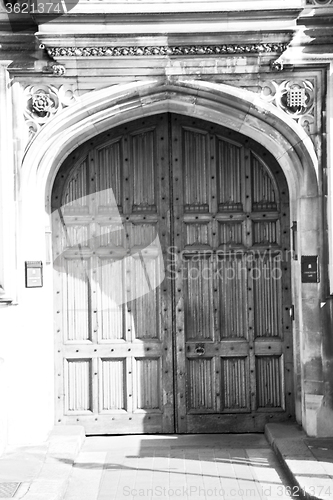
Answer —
(33, 274)
(309, 268)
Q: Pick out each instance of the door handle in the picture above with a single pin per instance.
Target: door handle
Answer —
(199, 349)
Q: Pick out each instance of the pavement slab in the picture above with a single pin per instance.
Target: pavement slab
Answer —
(288, 464)
(41, 472)
(177, 466)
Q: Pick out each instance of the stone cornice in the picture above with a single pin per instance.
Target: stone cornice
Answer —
(165, 50)
(166, 17)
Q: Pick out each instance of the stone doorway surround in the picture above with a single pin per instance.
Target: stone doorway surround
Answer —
(239, 110)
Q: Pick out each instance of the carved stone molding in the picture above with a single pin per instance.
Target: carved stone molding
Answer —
(43, 102)
(294, 97)
(165, 50)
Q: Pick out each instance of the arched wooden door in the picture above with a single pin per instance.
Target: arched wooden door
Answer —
(172, 281)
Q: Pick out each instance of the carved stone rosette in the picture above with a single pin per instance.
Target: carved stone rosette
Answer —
(294, 97)
(43, 102)
(58, 69)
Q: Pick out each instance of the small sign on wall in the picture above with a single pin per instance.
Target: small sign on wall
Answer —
(33, 274)
(309, 269)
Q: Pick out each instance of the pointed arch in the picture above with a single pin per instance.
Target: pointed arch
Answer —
(238, 109)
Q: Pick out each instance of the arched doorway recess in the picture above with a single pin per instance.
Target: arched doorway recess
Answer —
(209, 349)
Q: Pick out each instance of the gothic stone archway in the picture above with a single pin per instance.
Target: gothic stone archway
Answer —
(234, 108)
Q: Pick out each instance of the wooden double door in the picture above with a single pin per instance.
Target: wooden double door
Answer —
(172, 281)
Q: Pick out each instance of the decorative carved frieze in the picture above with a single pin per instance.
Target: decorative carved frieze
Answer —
(165, 50)
(44, 102)
(294, 97)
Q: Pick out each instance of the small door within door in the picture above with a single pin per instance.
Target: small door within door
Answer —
(172, 281)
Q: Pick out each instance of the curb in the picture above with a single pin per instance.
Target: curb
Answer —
(306, 473)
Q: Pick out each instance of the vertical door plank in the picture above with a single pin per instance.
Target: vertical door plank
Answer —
(178, 181)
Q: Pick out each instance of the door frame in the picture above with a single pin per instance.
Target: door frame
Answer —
(222, 104)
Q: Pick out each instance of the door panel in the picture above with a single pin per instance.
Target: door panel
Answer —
(171, 240)
(232, 266)
(111, 203)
